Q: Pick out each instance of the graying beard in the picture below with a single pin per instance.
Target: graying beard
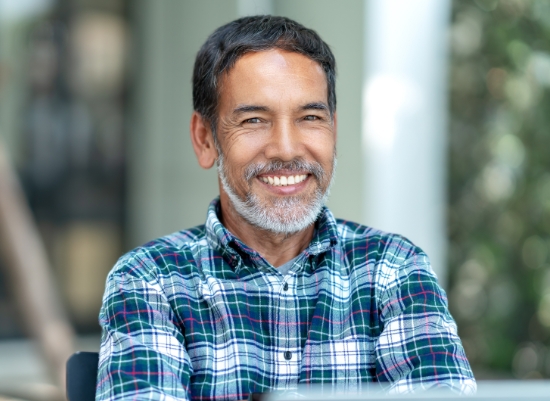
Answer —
(291, 215)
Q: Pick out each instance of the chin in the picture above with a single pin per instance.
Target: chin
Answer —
(286, 215)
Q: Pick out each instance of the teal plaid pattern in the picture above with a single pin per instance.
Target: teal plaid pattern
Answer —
(199, 315)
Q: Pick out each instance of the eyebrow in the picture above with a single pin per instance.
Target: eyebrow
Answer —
(315, 106)
(247, 108)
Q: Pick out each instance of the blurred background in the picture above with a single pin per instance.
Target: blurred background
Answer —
(95, 100)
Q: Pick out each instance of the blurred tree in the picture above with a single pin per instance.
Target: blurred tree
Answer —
(499, 185)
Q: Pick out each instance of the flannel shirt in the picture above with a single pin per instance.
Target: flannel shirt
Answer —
(199, 315)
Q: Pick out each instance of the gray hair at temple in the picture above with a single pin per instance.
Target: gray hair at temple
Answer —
(228, 43)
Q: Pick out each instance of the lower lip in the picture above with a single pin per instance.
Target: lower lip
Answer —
(286, 190)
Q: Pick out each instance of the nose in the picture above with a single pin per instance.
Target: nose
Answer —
(285, 141)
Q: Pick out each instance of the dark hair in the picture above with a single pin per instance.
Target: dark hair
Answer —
(228, 43)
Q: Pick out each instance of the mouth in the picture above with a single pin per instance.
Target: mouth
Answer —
(283, 180)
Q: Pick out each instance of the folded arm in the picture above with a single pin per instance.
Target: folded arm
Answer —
(419, 347)
(142, 353)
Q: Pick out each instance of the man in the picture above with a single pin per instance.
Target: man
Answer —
(272, 291)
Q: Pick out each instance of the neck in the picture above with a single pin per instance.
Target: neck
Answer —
(276, 248)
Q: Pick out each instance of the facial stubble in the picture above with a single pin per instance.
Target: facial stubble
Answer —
(279, 215)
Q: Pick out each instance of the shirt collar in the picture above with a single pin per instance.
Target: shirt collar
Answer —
(219, 237)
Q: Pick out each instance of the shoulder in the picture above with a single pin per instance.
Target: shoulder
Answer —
(389, 257)
(173, 252)
(375, 245)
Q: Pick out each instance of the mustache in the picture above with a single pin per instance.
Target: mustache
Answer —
(296, 165)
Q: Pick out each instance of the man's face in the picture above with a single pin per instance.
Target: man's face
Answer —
(277, 140)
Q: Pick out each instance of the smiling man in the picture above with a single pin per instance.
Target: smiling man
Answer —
(272, 291)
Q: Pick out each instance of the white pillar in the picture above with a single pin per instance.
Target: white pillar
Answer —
(404, 122)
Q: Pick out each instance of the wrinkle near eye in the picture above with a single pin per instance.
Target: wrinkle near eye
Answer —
(231, 130)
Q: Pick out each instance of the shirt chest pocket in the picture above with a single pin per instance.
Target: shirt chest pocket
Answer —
(344, 363)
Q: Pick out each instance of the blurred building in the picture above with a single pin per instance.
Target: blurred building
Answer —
(63, 88)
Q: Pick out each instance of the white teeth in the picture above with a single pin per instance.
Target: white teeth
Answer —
(300, 178)
(284, 180)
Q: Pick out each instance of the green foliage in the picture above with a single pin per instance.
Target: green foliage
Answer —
(499, 184)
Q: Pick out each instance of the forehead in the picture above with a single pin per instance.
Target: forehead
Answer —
(257, 74)
(277, 58)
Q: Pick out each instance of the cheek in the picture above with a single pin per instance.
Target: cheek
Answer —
(235, 168)
(321, 142)
(242, 153)
(243, 144)
(324, 152)
(235, 171)
(327, 160)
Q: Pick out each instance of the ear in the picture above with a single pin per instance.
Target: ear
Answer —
(203, 141)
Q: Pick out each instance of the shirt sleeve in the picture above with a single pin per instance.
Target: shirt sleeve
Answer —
(142, 355)
(419, 347)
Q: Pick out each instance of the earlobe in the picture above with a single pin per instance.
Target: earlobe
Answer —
(203, 141)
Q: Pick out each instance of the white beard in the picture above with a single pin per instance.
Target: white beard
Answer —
(284, 216)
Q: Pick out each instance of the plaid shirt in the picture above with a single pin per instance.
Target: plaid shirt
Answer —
(199, 315)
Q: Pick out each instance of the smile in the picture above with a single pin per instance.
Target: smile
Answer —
(283, 180)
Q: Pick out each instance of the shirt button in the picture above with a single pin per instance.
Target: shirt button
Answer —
(234, 263)
(285, 287)
(288, 355)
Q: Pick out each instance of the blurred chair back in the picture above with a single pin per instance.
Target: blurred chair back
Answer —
(82, 376)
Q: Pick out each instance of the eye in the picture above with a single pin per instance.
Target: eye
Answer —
(254, 120)
(311, 118)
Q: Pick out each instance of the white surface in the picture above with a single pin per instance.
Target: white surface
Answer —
(404, 121)
(489, 390)
(22, 370)
(20, 362)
